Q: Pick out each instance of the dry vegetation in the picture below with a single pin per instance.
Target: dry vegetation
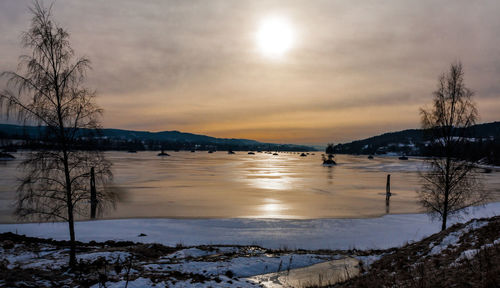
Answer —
(472, 261)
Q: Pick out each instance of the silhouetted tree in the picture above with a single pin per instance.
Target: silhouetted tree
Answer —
(329, 149)
(329, 152)
(48, 90)
(451, 183)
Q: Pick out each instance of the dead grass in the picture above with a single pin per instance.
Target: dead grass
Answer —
(412, 266)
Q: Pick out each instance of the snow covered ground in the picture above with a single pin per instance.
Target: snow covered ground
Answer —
(203, 266)
(367, 233)
(231, 265)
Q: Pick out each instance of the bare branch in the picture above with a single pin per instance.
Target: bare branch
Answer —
(450, 185)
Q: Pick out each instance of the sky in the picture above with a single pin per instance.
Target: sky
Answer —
(351, 69)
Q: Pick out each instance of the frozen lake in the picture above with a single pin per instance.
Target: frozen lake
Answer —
(287, 186)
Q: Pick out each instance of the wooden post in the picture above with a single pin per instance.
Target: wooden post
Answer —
(387, 193)
(388, 187)
(93, 194)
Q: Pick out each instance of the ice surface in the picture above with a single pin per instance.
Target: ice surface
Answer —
(383, 232)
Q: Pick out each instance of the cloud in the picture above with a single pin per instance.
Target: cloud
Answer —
(194, 65)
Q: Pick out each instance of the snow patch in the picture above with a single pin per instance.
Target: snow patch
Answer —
(453, 238)
(109, 256)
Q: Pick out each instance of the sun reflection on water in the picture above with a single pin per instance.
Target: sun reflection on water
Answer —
(272, 208)
(271, 174)
(271, 183)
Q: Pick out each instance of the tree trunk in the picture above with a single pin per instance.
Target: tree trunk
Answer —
(71, 222)
(72, 247)
(64, 145)
(446, 193)
(445, 208)
(93, 194)
(443, 226)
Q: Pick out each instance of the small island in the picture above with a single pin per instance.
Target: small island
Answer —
(328, 161)
(163, 153)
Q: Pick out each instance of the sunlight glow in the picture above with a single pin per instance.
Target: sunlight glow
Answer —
(272, 208)
(275, 37)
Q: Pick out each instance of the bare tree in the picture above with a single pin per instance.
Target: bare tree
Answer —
(48, 90)
(451, 183)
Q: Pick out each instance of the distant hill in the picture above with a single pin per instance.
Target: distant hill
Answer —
(412, 142)
(118, 139)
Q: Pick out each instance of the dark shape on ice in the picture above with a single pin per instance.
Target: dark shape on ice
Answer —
(329, 151)
(9, 150)
(162, 153)
(6, 156)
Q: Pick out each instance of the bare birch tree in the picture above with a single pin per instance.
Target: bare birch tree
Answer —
(48, 90)
(451, 184)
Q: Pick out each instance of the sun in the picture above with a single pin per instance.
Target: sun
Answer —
(275, 37)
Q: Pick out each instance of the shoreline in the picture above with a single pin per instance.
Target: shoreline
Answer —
(223, 218)
(496, 201)
(365, 233)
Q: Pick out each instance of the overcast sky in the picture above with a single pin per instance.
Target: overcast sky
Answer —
(355, 69)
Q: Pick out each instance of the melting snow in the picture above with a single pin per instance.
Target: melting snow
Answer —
(453, 238)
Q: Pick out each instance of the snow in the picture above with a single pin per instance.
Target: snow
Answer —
(137, 283)
(487, 166)
(453, 238)
(365, 233)
(469, 254)
(245, 266)
(250, 266)
(109, 256)
(213, 263)
(14, 260)
(46, 258)
(224, 282)
(191, 252)
(369, 259)
(246, 261)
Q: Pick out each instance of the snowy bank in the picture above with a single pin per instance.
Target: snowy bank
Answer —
(367, 233)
